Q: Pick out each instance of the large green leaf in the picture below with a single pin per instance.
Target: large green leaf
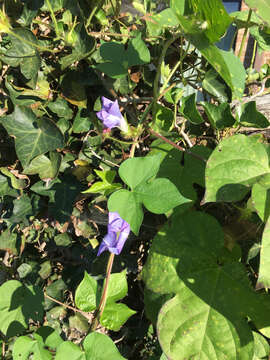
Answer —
(234, 166)
(201, 331)
(262, 8)
(202, 320)
(18, 304)
(33, 136)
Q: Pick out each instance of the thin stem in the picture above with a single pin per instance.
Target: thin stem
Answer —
(85, 314)
(245, 34)
(53, 18)
(253, 54)
(91, 15)
(178, 147)
(102, 303)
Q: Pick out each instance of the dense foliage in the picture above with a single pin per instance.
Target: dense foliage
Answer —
(126, 125)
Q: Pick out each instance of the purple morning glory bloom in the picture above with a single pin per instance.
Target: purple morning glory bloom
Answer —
(111, 116)
(118, 231)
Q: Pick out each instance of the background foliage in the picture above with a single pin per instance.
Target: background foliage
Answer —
(191, 177)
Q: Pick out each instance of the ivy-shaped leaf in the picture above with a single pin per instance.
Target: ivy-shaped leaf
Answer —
(33, 136)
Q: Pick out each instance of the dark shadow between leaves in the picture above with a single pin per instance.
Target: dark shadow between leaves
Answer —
(232, 192)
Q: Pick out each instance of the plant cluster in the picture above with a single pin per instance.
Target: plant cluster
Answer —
(134, 182)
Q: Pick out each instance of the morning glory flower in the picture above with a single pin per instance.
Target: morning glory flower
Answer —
(118, 231)
(111, 116)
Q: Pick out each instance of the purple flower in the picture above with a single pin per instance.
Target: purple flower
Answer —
(118, 231)
(111, 116)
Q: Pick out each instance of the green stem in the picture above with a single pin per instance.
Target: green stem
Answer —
(245, 34)
(253, 55)
(53, 18)
(91, 16)
(103, 299)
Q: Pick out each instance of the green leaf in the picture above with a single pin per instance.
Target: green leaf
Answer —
(99, 347)
(61, 109)
(115, 315)
(264, 274)
(128, 207)
(160, 21)
(86, 294)
(82, 47)
(261, 201)
(189, 110)
(214, 85)
(261, 347)
(160, 196)
(219, 116)
(138, 170)
(25, 346)
(197, 268)
(43, 166)
(33, 136)
(16, 182)
(117, 60)
(105, 186)
(235, 165)
(251, 117)
(43, 338)
(164, 118)
(22, 209)
(137, 51)
(261, 7)
(73, 88)
(24, 54)
(225, 63)
(201, 331)
(210, 15)
(262, 37)
(117, 288)
(19, 304)
(9, 242)
(83, 121)
(68, 350)
(193, 171)
(5, 187)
